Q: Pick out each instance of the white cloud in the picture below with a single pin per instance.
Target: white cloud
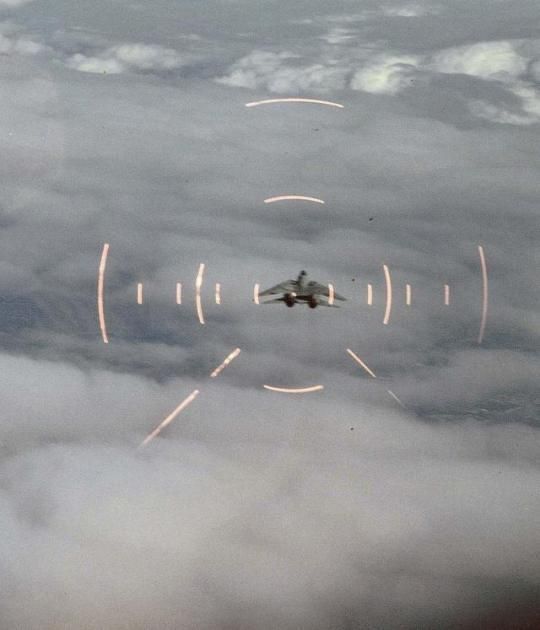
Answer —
(10, 43)
(530, 105)
(128, 57)
(95, 65)
(147, 57)
(487, 60)
(386, 75)
(269, 70)
(414, 9)
(299, 508)
(254, 69)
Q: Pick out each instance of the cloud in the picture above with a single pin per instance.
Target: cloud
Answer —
(13, 42)
(410, 10)
(494, 61)
(366, 69)
(128, 57)
(253, 509)
(219, 530)
(497, 60)
(274, 72)
(385, 75)
(528, 114)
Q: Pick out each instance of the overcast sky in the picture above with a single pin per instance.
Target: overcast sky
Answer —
(410, 500)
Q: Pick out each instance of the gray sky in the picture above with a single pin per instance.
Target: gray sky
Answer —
(125, 123)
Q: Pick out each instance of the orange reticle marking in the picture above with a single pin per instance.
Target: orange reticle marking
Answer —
(388, 295)
(139, 293)
(373, 375)
(302, 390)
(361, 363)
(256, 293)
(293, 198)
(178, 293)
(170, 417)
(331, 294)
(198, 285)
(446, 295)
(484, 293)
(396, 398)
(369, 295)
(218, 293)
(225, 363)
(408, 294)
(269, 101)
(101, 307)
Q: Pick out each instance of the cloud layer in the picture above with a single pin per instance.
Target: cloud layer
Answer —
(344, 508)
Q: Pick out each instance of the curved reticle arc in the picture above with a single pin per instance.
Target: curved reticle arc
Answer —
(388, 309)
(270, 101)
(294, 390)
(484, 293)
(198, 285)
(293, 198)
(101, 283)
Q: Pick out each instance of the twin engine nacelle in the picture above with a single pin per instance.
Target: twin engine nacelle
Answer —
(290, 300)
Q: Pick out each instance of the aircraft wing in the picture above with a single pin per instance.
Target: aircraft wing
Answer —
(314, 288)
(289, 286)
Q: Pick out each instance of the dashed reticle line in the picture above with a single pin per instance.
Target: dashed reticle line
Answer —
(198, 285)
(178, 293)
(270, 101)
(139, 293)
(446, 295)
(408, 294)
(293, 198)
(331, 294)
(388, 295)
(187, 401)
(373, 375)
(370, 295)
(361, 363)
(218, 293)
(170, 417)
(256, 293)
(300, 390)
(225, 363)
(484, 293)
(100, 304)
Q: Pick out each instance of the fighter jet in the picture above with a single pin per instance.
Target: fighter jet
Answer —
(300, 290)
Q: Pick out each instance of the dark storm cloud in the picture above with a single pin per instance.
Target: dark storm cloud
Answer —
(125, 123)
